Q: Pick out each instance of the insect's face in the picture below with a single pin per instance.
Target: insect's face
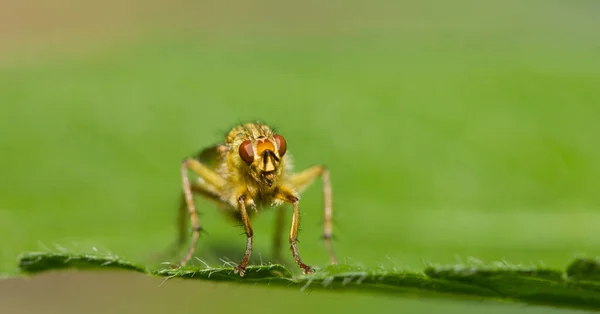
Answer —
(264, 157)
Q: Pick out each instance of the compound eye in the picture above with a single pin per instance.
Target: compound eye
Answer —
(281, 144)
(247, 152)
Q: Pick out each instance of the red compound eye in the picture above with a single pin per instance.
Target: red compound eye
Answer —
(281, 144)
(247, 152)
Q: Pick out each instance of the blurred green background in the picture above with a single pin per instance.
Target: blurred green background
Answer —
(454, 132)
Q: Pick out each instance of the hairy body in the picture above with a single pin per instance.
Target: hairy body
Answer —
(251, 170)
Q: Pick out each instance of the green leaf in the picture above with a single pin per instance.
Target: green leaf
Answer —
(576, 288)
(40, 262)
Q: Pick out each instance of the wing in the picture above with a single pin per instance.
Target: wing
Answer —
(212, 156)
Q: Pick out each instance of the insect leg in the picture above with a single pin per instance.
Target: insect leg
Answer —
(212, 179)
(241, 268)
(294, 236)
(279, 222)
(305, 178)
(198, 187)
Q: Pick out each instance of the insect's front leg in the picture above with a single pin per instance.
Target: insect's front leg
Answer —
(241, 268)
(301, 181)
(287, 195)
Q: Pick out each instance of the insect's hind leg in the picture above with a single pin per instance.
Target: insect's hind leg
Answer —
(305, 178)
(278, 234)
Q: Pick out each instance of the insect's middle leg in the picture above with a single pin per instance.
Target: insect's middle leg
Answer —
(241, 268)
(198, 187)
(213, 180)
